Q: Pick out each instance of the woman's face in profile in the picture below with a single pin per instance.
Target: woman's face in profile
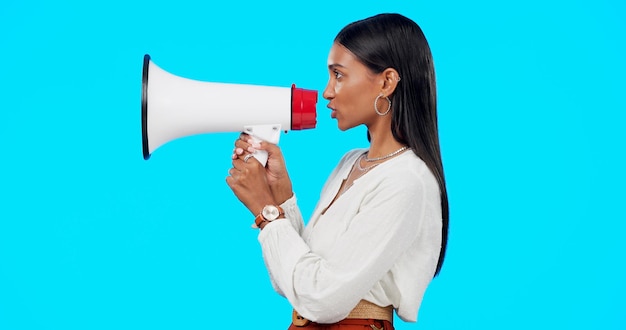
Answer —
(351, 90)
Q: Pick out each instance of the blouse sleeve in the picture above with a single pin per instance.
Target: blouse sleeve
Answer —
(325, 289)
(295, 219)
(292, 212)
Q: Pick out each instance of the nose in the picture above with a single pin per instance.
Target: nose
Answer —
(329, 91)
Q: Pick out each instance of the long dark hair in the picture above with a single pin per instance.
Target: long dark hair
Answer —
(394, 41)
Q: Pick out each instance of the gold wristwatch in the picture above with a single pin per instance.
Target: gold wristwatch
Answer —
(268, 214)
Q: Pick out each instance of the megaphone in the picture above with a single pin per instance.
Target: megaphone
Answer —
(173, 107)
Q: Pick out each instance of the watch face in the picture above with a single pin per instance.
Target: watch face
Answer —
(270, 212)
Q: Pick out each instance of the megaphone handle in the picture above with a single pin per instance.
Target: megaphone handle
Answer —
(258, 133)
(260, 155)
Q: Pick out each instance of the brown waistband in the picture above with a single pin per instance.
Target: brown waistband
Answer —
(363, 310)
(367, 310)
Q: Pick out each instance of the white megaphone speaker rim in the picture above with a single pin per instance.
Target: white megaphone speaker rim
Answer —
(144, 107)
(174, 107)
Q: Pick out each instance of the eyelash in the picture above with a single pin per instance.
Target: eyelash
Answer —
(337, 74)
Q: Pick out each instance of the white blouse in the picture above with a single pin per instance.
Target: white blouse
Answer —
(379, 241)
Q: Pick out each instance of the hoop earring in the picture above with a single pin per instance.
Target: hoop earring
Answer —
(376, 106)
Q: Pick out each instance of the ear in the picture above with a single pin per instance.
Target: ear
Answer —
(390, 81)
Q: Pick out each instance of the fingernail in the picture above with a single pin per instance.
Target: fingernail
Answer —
(251, 150)
(233, 156)
(256, 145)
(239, 151)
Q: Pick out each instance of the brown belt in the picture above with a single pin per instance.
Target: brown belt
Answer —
(363, 310)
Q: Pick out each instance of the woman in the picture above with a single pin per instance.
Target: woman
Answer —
(378, 233)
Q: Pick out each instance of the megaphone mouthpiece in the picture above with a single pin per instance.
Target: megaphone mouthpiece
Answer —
(303, 114)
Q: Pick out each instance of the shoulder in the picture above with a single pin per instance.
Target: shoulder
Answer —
(407, 171)
(405, 164)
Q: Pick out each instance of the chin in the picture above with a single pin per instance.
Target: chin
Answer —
(344, 127)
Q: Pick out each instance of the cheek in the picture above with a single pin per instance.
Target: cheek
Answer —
(356, 99)
(347, 94)
(337, 87)
(357, 90)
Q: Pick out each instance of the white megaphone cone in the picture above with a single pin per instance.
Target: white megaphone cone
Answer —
(173, 107)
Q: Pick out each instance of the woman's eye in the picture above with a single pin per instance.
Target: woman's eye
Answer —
(337, 74)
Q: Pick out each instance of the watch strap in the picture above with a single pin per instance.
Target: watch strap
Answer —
(259, 219)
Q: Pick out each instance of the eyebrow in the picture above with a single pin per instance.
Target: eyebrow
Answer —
(335, 65)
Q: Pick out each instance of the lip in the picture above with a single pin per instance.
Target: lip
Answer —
(333, 112)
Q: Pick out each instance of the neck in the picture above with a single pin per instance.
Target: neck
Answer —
(382, 144)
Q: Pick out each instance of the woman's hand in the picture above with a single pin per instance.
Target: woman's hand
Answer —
(248, 181)
(275, 169)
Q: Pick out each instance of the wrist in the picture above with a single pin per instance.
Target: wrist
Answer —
(281, 189)
(269, 213)
(265, 223)
(281, 193)
(257, 207)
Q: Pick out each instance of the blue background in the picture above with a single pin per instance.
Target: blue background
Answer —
(92, 236)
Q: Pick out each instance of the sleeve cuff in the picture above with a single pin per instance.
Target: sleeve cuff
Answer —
(292, 213)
